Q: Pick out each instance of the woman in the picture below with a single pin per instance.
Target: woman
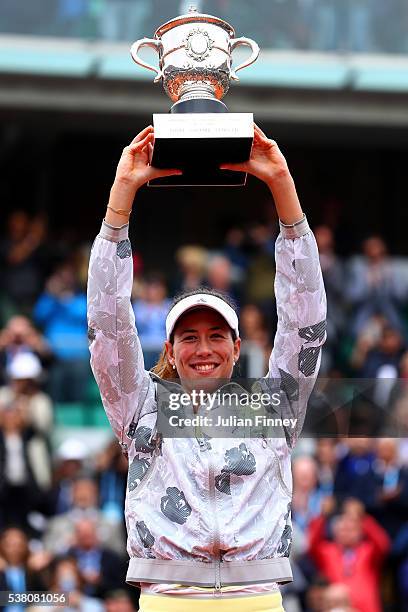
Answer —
(206, 520)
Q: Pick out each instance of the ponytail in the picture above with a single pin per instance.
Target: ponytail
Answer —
(163, 367)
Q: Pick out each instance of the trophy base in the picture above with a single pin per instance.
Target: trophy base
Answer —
(199, 105)
(198, 143)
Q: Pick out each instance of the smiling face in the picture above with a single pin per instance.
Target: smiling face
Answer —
(203, 346)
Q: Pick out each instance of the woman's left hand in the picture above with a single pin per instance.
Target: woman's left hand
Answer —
(268, 164)
(266, 161)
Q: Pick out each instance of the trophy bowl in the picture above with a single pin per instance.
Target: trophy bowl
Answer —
(195, 53)
(195, 59)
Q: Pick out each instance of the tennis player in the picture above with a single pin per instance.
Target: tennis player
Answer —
(208, 518)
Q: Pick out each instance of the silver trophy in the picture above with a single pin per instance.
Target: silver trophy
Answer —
(195, 66)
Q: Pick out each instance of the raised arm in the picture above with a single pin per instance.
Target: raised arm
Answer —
(316, 536)
(301, 329)
(378, 537)
(299, 289)
(116, 355)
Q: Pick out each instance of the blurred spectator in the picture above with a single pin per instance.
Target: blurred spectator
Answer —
(307, 499)
(25, 472)
(279, 23)
(261, 270)
(326, 459)
(150, 310)
(22, 259)
(125, 19)
(7, 308)
(112, 469)
(235, 251)
(24, 373)
(391, 480)
(403, 372)
(392, 39)
(315, 595)
(367, 340)
(118, 601)
(70, 457)
(219, 276)
(60, 533)
(66, 578)
(101, 569)
(397, 422)
(355, 475)
(385, 357)
(355, 555)
(337, 597)
(294, 591)
(20, 336)
(253, 330)
(360, 26)
(71, 17)
(15, 575)
(343, 25)
(400, 554)
(374, 286)
(329, 25)
(192, 263)
(61, 311)
(253, 325)
(333, 276)
(381, 364)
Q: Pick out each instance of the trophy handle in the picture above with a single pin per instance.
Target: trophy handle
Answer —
(147, 42)
(235, 42)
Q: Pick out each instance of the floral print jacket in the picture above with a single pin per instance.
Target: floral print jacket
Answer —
(215, 513)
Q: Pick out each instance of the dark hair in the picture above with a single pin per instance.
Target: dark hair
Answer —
(163, 368)
(15, 527)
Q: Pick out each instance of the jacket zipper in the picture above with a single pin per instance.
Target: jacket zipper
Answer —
(216, 527)
(205, 447)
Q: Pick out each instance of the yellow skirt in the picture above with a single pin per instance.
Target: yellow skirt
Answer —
(245, 603)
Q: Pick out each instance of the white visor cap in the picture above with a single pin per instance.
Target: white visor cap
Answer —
(201, 300)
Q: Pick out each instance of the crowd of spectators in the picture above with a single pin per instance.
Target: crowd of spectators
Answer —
(61, 505)
(322, 25)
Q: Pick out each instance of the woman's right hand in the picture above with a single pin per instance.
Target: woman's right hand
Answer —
(133, 171)
(134, 166)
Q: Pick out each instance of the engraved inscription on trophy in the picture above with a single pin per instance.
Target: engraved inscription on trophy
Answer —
(182, 125)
